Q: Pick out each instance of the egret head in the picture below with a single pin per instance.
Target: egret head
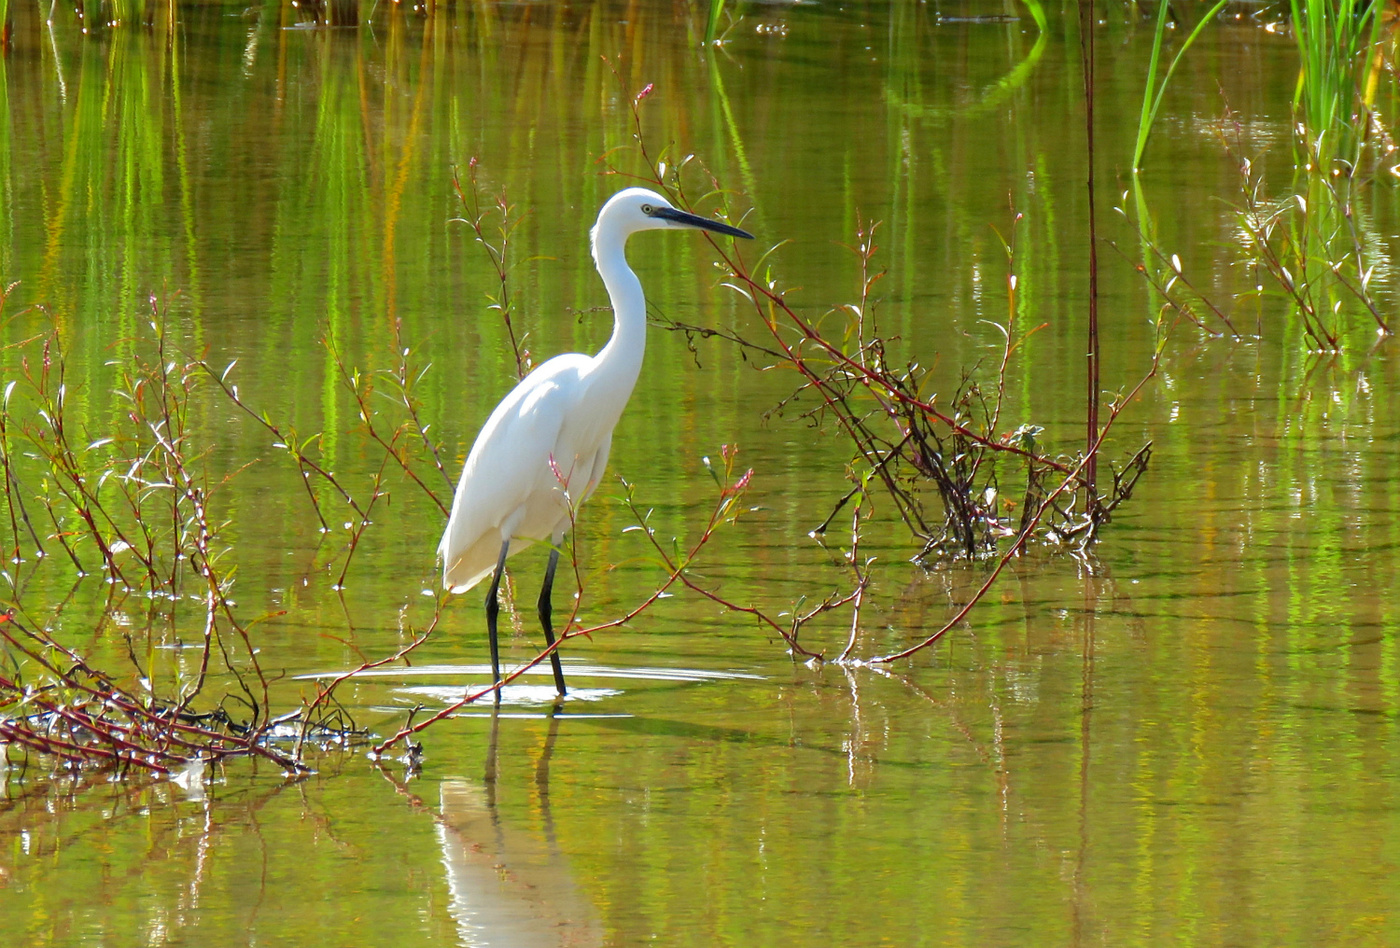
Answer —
(636, 209)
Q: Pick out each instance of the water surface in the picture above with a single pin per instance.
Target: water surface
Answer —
(1190, 737)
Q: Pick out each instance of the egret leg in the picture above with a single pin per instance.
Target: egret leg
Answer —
(546, 613)
(493, 609)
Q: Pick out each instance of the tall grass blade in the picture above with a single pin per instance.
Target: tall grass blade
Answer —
(712, 21)
(1149, 111)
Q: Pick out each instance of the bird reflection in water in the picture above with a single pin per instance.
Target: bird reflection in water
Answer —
(509, 886)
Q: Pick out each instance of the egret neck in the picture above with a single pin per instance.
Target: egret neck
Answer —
(620, 361)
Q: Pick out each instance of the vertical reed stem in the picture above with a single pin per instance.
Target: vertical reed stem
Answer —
(1091, 412)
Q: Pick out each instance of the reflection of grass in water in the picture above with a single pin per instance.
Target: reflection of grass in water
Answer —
(108, 223)
(902, 94)
(6, 181)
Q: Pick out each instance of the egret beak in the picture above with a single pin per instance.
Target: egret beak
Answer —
(694, 220)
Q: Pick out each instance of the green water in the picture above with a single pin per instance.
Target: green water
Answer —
(1189, 738)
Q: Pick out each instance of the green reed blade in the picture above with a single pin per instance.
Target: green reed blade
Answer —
(712, 21)
(1149, 112)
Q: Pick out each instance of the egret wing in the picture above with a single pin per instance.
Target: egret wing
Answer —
(508, 486)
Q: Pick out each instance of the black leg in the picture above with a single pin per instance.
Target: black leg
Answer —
(546, 612)
(493, 609)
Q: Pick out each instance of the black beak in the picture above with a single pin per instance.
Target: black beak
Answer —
(695, 220)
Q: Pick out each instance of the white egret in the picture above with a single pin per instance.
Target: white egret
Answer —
(543, 450)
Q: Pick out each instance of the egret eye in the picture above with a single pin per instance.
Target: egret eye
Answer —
(648, 210)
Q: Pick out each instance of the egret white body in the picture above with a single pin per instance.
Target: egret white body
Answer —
(544, 448)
